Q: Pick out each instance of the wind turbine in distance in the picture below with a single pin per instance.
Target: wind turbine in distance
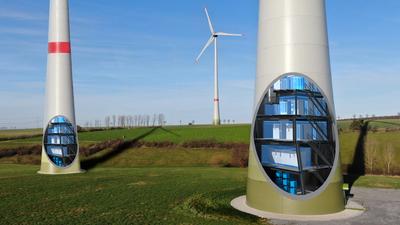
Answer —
(213, 39)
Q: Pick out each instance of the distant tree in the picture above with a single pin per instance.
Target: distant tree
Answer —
(130, 121)
(388, 157)
(370, 155)
(107, 121)
(123, 121)
(135, 120)
(161, 119)
(79, 128)
(356, 124)
(147, 120)
(154, 119)
(114, 120)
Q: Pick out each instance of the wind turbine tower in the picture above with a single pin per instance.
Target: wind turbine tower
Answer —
(60, 151)
(213, 40)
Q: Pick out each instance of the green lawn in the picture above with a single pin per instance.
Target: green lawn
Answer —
(147, 185)
(163, 195)
(378, 182)
(225, 133)
(176, 134)
(179, 134)
(123, 196)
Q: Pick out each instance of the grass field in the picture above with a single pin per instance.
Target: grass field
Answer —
(123, 196)
(223, 134)
(176, 134)
(147, 185)
(151, 195)
(13, 133)
(378, 182)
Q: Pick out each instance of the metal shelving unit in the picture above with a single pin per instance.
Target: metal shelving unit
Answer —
(68, 150)
(320, 143)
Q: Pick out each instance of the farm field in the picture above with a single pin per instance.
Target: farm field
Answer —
(123, 196)
(179, 135)
(18, 133)
(175, 134)
(150, 195)
(178, 175)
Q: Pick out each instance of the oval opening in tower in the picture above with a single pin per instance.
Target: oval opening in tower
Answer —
(293, 135)
(60, 141)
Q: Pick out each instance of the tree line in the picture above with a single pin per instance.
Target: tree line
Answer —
(128, 121)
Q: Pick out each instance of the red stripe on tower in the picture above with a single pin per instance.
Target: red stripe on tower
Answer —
(59, 47)
(216, 100)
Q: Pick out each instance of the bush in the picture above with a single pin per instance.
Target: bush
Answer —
(157, 144)
(207, 143)
(240, 157)
(356, 125)
(219, 160)
(95, 148)
(31, 150)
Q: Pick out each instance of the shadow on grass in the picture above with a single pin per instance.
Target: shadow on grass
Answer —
(357, 167)
(170, 132)
(115, 151)
(215, 205)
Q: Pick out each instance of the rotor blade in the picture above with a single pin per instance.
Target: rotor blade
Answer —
(209, 42)
(228, 34)
(209, 21)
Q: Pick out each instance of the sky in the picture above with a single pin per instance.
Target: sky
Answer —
(138, 57)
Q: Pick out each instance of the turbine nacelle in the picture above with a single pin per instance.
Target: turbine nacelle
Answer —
(214, 35)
